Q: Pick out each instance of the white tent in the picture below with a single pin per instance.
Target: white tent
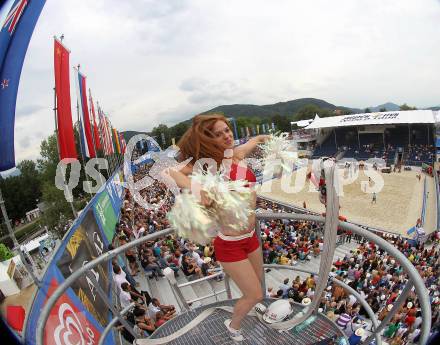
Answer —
(8, 285)
(385, 118)
(13, 276)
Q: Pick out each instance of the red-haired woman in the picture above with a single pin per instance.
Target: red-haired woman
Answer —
(210, 136)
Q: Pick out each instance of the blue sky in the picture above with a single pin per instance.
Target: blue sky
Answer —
(162, 61)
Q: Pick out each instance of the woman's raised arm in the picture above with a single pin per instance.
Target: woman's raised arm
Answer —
(246, 149)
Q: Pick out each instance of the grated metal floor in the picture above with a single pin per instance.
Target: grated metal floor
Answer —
(212, 331)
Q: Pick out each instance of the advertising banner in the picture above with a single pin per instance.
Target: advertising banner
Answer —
(86, 244)
(80, 315)
(106, 215)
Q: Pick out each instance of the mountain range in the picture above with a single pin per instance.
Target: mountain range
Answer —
(287, 108)
(280, 108)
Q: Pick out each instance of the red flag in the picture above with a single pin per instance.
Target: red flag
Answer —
(95, 127)
(109, 135)
(123, 144)
(66, 140)
(86, 131)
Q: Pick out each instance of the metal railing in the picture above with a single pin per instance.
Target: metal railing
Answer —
(347, 288)
(437, 197)
(301, 210)
(414, 279)
(113, 322)
(84, 270)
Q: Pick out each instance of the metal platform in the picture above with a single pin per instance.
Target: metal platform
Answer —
(212, 331)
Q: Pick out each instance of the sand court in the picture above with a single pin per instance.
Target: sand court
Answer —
(397, 208)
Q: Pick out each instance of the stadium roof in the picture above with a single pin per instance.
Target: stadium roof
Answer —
(386, 118)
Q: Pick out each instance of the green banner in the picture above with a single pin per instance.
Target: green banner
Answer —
(106, 215)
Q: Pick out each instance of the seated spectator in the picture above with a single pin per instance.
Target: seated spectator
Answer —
(160, 319)
(149, 264)
(124, 295)
(190, 268)
(144, 323)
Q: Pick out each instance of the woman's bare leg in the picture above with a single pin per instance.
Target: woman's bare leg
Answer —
(243, 274)
(256, 259)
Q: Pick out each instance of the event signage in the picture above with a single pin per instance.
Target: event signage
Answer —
(370, 116)
(80, 314)
(68, 323)
(106, 215)
(86, 244)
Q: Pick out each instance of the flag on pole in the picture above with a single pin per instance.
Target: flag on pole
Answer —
(98, 145)
(116, 137)
(17, 23)
(65, 136)
(102, 130)
(86, 132)
(108, 130)
(122, 142)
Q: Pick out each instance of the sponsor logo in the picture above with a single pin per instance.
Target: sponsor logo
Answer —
(369, 117)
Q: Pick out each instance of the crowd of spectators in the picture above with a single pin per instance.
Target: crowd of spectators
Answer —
(373, 273)
(418, 154)
(151, 257)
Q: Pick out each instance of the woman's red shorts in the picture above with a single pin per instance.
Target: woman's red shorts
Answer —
(231, 251)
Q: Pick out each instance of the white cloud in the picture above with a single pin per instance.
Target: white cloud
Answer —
(149, 61)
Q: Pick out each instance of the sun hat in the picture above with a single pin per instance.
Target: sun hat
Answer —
(409, 305)
(389, 307)
(359, 332)
(306, 301)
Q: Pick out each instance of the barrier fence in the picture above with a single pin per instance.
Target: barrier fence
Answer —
(81, 314)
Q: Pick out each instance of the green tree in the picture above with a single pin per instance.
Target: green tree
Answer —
(47, 164)
(178, 130)
(57, 206)
(382, 110)
(157, 134)
(22, 191)
(367, 110)
(307, 112)
(5, 253)
(405, 106)
(58, 209)
(282, 123)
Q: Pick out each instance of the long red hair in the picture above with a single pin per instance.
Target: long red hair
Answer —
(199, 140)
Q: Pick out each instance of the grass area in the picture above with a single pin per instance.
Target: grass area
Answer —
(20, 232)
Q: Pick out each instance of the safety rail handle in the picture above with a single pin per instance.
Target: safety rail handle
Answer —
(212, 276)
(113, 322)
(214, 294)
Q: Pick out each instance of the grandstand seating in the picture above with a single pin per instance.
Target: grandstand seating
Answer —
(327, 148)
(372, 145)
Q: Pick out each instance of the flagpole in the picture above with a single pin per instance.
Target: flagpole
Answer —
(80, 124)
(55, 110)
(93, 132)
(92, 113)
(80, 135)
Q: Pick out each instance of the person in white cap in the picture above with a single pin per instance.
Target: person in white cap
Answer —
(356, 337)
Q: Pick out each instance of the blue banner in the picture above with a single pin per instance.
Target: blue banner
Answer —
(80, 315)
(17, 26)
